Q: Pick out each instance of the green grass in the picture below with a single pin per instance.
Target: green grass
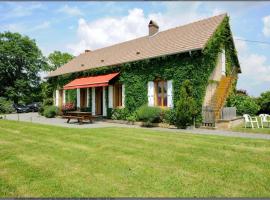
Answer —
(49, 161)
(241, 128)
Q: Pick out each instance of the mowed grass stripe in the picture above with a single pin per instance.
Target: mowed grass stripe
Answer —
(49, 161)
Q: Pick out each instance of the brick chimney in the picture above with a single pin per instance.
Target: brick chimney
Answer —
(153, 28)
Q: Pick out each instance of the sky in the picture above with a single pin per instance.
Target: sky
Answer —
(75, 26)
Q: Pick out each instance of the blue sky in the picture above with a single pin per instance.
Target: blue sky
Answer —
(75, 26)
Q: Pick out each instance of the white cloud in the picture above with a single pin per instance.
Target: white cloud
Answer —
(21, 10)
(72, 11)
(44, 25)
(240, 45)
(110, 30)
(13, 27)
(24, 28)
(255, 69)
(266, 26)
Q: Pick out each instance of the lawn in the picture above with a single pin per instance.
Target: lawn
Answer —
(49, 161)
(241, 128)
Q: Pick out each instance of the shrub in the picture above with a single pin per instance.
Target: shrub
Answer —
(264, 102)
(109, 113)
(243, 104)
(50, 111)
(41, 110)
(5, 106)
(148, 114)
(119, 113)
(133, 117)
(186, 107)
(48, 102)
(68, 107)
(168, 116)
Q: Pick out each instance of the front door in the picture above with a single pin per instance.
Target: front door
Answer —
(99, 100)
(83, 97)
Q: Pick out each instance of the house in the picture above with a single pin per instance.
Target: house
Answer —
(150, 69)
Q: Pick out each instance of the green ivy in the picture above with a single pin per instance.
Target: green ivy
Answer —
(196, 66)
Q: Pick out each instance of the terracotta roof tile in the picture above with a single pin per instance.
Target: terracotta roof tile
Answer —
(192, 36)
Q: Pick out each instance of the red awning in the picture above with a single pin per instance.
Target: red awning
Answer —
(92, 81)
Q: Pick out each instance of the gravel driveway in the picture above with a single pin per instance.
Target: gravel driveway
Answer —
(36, 118)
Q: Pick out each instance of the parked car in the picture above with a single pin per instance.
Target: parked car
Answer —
(21, 108)
(34, 107)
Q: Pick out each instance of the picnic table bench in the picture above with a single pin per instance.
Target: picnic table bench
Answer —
(78, 115)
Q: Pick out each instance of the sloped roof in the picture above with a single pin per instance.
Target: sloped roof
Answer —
(193, 36)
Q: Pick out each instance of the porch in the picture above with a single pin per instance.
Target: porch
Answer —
(94, 94)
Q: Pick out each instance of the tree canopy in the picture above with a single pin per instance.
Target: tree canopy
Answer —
(57, 59)
(20, 62)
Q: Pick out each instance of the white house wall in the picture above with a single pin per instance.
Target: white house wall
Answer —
(211, 87)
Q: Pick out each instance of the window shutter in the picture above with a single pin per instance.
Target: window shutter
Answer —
(223, 62)
(170, 94)
(110, 95)
(104, 102)
(123, 95)
(150, 93)
(56, 98)
(87, 97)
(78, 98)
(64, 97)
(93, 101)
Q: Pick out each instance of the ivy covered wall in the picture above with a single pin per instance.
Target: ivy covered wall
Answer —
(195, 66)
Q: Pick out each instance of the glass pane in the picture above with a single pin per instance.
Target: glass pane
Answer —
(165, 94)
(120, 95)
(159, 95)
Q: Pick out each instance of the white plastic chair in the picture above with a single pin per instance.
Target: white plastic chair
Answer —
(264, 119)
(250, 120)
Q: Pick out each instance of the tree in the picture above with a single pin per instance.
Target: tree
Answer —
(57, 59)
(244, 104)
(186, 106)
(264, 102)
(20, 62)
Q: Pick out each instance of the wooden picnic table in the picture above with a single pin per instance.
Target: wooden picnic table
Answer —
(79, 115)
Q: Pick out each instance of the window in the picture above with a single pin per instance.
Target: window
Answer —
(161, 93)
(117, 95)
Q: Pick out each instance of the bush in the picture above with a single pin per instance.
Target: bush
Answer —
(243, 104)
(264, 102)
(68, 107)
(133, 117)
(6, 106)
(148, 114)
(186, 107)
(41, 110)
(46, 102)
(50, 111)
(168, 116)
(119, 113)
(109, 113)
